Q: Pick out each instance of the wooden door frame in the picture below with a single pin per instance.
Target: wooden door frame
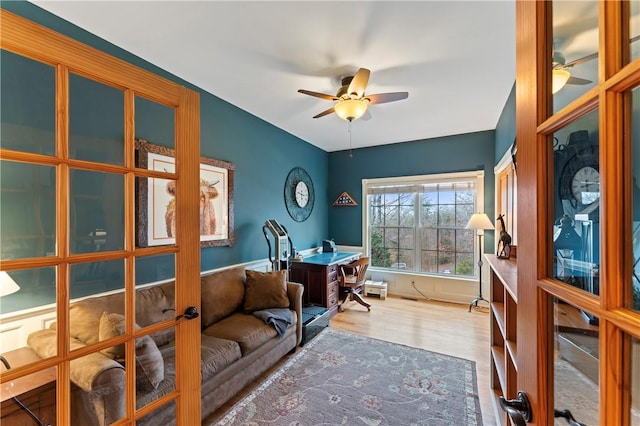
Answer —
(34, 41)
(535, 124)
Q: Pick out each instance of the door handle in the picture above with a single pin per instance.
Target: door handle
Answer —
(190, 313)
(519, 409)
(566, 414)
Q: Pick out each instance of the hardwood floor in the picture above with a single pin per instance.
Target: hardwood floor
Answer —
(435, 326)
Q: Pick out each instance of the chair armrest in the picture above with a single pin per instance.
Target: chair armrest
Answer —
(295, 291)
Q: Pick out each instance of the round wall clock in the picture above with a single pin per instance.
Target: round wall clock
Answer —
(299, 194)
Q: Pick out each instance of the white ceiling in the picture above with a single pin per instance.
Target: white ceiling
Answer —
(456, 59)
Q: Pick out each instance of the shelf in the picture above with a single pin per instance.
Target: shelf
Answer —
(498, 312)
(501, 368)
(512, 350)
(506, 271)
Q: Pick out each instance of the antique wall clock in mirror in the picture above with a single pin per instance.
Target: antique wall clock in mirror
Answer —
(299, 194)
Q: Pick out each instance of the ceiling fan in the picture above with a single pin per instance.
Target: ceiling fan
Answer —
(351, 101)
(560, 69)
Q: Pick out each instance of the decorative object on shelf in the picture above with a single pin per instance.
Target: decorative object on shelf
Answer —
(504, 243)
(345, 200)
(514, 155)
(299, 194)
(156, 198)
(479, 222)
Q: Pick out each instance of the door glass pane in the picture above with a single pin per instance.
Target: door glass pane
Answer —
(36, 392)
(93, 278)
(634, 299)
(27, 104)
(96, 121)
(27, 288)
(155, 303)
(634, 29)
(635, 381)
(576, 364)
(575, 48)
(97, 211)
(155, 211)
(27, 208)
(155, 123)
(576, 189)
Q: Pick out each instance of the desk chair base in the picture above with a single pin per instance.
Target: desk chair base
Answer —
(351, 294)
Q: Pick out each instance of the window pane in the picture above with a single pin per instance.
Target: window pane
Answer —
(27, 105)
(97, 211)
(27, 207)
(423, 226)
(446, 215)
(635, 381)
(576, 242)
(36, 391)
(96, 121)
(429, 261)
(575, 59)
(464, 264)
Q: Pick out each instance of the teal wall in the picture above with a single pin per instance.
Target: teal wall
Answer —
(262, 154)
(438, 155)
(506, 127)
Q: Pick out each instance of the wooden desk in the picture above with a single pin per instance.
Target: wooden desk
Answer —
(37, 391)
(319, 275)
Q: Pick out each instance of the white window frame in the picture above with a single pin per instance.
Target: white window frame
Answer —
(418, 180)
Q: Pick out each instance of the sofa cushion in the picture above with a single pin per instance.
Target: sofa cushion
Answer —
(149, 362)
(150, 302)
(217, 354)
(249, 331)
(265, 290)
(222, 294)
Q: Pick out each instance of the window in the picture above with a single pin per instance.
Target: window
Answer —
(417, 223)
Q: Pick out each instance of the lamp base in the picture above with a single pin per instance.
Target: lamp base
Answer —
(476, 300)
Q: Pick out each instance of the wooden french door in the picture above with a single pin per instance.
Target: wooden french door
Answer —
(578, 319)
(71, 115)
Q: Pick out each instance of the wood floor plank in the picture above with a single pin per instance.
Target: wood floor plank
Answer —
(441, 327)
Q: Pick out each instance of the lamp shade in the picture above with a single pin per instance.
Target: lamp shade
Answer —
(351, 109)
(479, 221)
(559, 78)
(7, 284)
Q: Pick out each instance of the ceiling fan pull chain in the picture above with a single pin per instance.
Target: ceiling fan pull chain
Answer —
(350, 146)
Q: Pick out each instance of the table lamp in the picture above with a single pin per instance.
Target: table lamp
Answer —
(7, 284)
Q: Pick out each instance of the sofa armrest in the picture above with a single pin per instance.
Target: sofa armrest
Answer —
(102, 378)
(294, 291)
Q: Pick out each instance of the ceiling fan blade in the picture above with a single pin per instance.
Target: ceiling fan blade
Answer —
(318, 95)
(323, 113)
(382, 98)
(367, 116)
(592, 56)
(359, 83)
(580, 61)
(579, 81)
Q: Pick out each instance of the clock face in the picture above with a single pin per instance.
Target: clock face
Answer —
(299, 194)
(585, 185)
(302, 194)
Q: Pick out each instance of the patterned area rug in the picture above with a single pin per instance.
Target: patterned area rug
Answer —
(340, 378)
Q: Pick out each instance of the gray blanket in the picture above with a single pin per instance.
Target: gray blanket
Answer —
(280, 318)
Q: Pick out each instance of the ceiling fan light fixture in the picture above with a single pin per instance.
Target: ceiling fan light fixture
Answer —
(559, 78)
(351, 109)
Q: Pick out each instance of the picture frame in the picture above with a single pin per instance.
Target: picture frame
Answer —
(155, 206)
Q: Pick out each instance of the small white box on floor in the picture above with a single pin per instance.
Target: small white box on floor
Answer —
(375, 287)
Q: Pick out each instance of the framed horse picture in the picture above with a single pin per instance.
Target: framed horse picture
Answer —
(156, 199)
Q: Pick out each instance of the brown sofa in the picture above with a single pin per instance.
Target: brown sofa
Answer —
(237, 346)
